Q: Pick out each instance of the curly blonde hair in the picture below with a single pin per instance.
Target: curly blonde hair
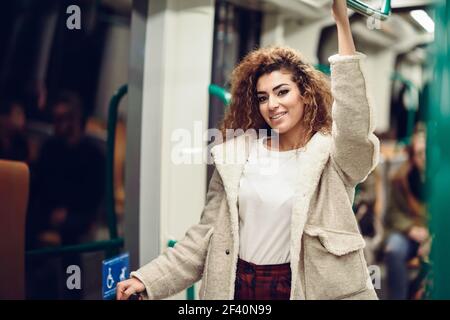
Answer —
(243, 112)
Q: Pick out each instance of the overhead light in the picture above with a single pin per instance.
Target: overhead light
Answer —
(423, 19)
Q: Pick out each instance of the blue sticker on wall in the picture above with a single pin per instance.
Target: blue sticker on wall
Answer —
(114, 270)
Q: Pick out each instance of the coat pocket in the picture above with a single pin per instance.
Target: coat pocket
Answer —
(334, 264)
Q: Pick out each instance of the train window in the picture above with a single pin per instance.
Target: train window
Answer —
(55, 86)
(237, 30)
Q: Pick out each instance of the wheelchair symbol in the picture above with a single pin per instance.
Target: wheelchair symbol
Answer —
(109, 279)
(122, 274)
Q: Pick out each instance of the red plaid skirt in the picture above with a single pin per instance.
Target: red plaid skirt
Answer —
(262, 282)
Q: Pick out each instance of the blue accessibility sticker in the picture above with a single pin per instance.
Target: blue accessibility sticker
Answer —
(114, 270)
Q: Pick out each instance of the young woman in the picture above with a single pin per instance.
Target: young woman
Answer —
(288, 233)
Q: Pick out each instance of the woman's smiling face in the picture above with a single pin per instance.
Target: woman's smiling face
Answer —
(280, 101)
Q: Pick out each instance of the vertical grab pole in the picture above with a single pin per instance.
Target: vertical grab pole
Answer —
(110, 147)
(438, 156)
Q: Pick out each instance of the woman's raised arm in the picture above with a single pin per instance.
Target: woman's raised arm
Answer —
(355, 148)
(345, 38)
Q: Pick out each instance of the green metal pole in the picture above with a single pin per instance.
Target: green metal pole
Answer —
(438, 156)
(325, 69)
(104, 245)
(110, 146)
(221, 93)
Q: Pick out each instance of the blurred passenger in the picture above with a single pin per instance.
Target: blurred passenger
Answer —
(68, 180)
(13, 140)
(368, 209)
(406, 218)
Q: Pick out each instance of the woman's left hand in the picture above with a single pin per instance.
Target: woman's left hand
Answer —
(339, 11)
(345, 38)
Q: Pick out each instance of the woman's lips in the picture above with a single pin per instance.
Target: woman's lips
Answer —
(278, 116)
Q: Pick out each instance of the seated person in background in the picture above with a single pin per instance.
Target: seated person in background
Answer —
(406, 219)
(13, 139)
(368, 206)
(68, 180)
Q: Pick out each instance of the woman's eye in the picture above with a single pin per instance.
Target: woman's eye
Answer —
(261, 99)
(282, 92)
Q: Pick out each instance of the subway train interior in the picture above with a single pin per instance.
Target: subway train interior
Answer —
(106, 108)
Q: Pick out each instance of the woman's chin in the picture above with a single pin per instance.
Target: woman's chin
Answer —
(280, 129)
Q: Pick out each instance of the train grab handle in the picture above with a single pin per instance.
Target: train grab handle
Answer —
(366, 10)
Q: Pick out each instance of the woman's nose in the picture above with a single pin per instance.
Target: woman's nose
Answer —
(273, 102)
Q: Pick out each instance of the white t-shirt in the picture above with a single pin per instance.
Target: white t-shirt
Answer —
(266, 191)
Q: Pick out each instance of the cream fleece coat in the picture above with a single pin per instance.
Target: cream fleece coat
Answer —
(327, 260)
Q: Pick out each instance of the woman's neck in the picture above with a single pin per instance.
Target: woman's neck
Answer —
(290, 140)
